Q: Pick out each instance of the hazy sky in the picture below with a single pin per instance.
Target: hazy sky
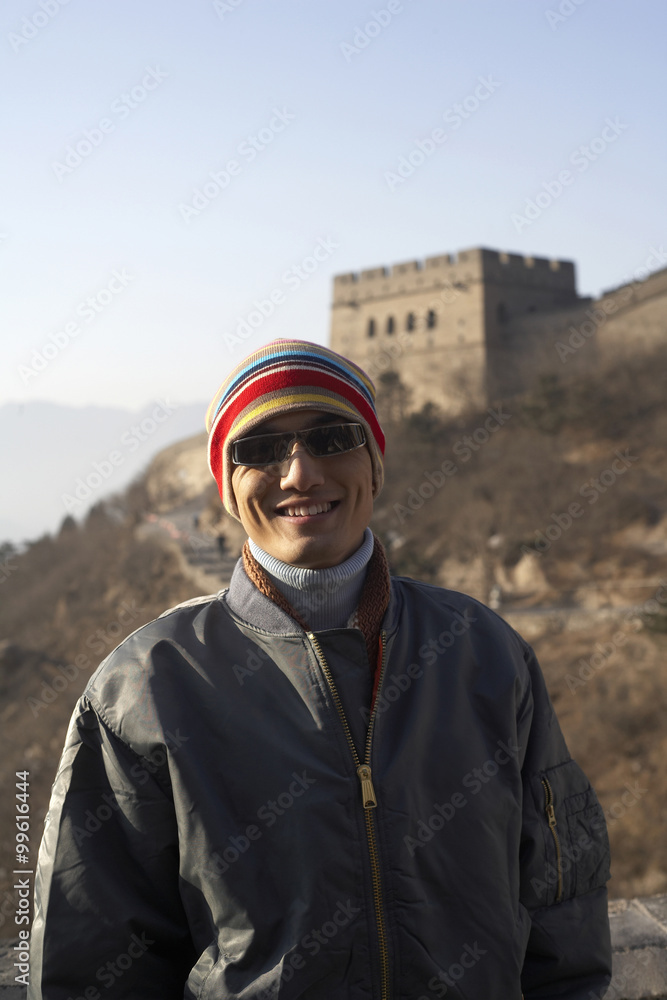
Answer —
(117, 112)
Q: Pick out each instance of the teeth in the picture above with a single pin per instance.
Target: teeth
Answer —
(317, 508)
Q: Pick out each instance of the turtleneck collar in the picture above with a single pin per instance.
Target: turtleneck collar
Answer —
(325, 598)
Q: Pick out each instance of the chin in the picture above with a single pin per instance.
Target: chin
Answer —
(312, 558)
(311, 554)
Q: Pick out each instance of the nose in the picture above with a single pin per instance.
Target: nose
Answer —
(301, 471)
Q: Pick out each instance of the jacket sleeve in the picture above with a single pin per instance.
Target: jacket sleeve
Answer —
(564, 862)
(109, 921)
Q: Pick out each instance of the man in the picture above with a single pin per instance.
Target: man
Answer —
(320, 783)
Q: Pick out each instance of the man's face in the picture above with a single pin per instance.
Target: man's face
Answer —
(271, 502)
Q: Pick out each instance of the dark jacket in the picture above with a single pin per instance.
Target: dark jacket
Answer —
(212, 831)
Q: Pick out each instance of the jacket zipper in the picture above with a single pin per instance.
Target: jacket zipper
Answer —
(369, 802)
(551, 819)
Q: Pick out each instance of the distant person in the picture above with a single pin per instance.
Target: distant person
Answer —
(222, 544)
(322, 783)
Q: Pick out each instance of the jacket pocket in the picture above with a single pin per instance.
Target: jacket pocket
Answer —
(555, 843)
(574, 831)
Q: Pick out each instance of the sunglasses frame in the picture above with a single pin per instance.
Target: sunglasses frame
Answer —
(295, 436)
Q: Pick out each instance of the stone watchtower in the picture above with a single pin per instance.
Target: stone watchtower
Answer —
(452, 327)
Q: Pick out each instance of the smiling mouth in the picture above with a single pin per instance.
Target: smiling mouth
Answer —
(305, 510)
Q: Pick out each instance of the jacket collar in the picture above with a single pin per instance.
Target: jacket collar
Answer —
(249, 605)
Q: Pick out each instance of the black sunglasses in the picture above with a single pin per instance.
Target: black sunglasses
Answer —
(273, 449)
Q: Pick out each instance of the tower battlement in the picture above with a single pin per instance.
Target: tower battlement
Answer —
(473, 265)
(449, 323)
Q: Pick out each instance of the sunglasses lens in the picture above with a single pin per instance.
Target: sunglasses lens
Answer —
(334, 439)
(263, 449)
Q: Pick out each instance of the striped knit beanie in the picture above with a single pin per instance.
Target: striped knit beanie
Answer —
(284, 376)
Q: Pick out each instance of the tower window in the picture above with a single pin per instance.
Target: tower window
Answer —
(410, 322)
(390, 324)
(430, 319)
(370, 331)
(501, 312)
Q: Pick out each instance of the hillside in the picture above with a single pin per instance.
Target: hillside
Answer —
(551, 507)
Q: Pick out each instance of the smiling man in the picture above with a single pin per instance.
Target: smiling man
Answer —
(305, 511)
(322, 783)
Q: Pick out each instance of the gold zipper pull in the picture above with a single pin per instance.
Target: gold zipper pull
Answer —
(367, 791)
(551, 816)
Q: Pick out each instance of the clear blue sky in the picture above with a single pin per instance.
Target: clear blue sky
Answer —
(347, 117)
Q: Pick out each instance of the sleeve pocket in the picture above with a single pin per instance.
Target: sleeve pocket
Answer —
(574, 832)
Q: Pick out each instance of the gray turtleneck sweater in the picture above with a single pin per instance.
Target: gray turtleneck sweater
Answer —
(325, 598)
